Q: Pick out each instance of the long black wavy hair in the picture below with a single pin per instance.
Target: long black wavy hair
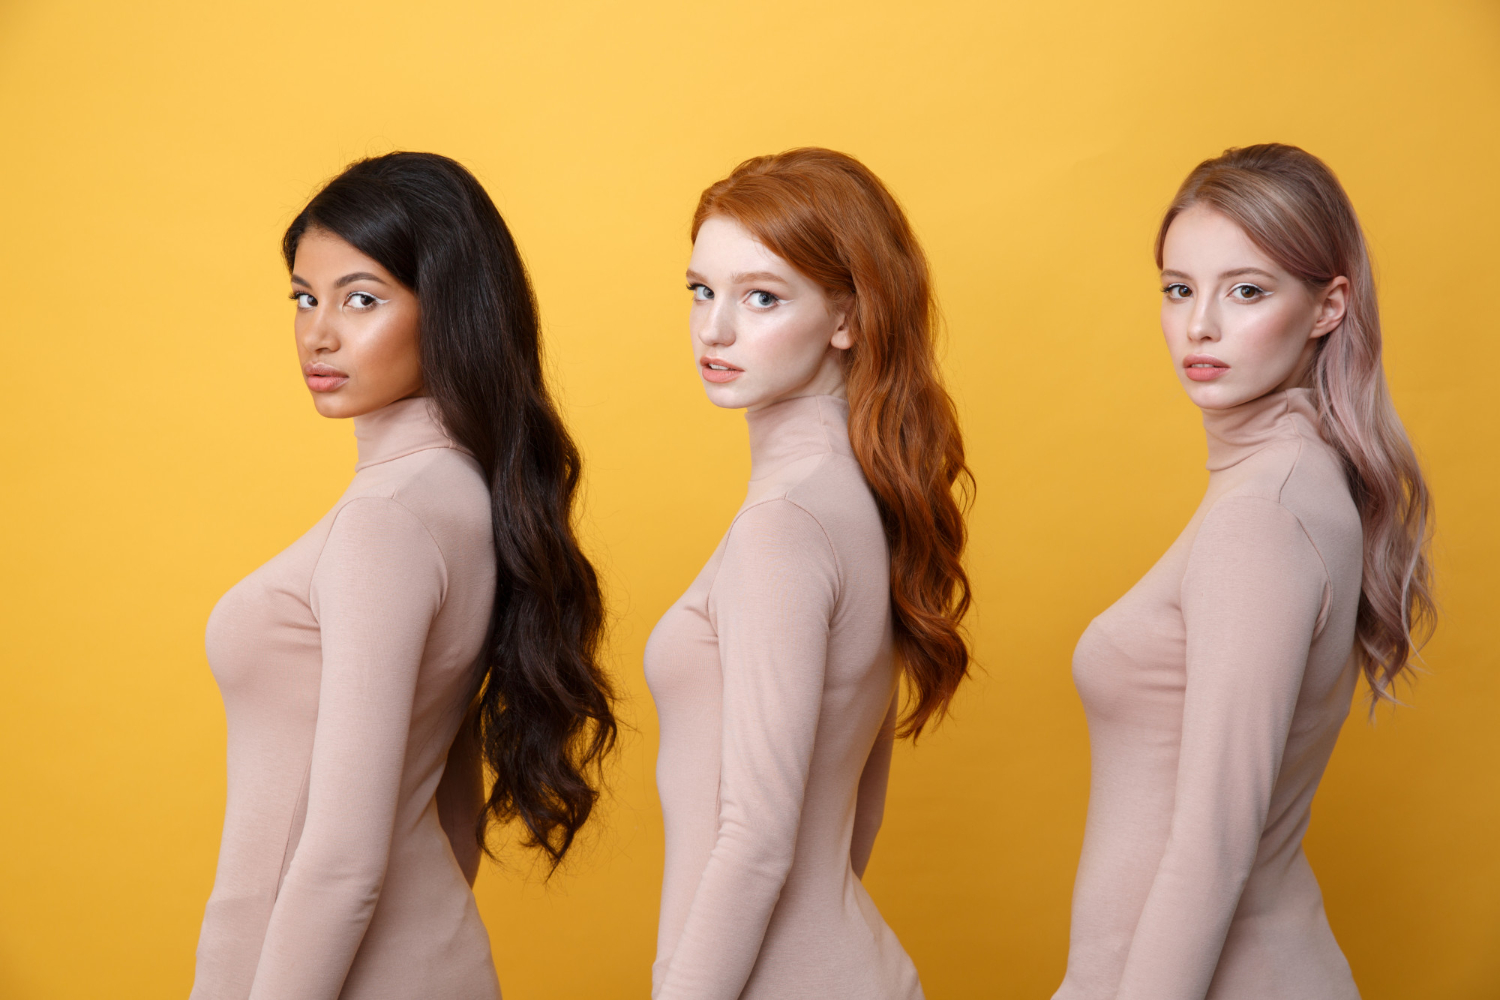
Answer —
(544, 714)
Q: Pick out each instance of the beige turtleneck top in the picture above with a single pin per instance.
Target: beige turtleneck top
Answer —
(347, 663)
(1214, 691)
(775, 685)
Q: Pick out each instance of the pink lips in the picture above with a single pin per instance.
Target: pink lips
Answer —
(1204, 367)
(718, 370)
(323, 378)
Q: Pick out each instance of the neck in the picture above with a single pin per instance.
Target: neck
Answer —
(1237, 432)
(399, 429)
(797, 428)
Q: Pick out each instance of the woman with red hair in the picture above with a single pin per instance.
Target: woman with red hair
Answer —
(775, 676)
(1216, 687)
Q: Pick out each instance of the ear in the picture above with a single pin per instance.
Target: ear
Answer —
(843, 334)
(1333, 301)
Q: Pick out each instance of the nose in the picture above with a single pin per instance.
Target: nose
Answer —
(715, 328)
(1203, 324)
(317, 331)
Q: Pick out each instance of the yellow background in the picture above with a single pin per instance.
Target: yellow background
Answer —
(158, 444)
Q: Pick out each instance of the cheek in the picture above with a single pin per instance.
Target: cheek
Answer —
(1267, 336)
(792, 343)
(299, 333)
(1175, 317)
(386, 350)
(1170, 325)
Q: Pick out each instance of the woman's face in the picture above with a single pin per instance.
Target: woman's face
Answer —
(1237, 325)
(356, 328)
(762, 331)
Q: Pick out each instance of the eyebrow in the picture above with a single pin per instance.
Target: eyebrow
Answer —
(347, 279)
(747, 276)
(350, 279)
(742, 277)
(1236, 273)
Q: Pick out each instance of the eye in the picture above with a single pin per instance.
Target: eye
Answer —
(701, 293)
(304, 300)
(1177, 291)
(1246, 292)
(763, 300)
(362, 300)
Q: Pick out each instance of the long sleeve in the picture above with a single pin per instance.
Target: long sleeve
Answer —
(869, 808)
(378, 584)
(772, 603)
(1252, 601)
(226, 955)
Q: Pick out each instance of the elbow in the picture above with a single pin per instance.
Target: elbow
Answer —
(361, 883)
(354, 875)
(767, 866)
(763, 856)
(1227, 868)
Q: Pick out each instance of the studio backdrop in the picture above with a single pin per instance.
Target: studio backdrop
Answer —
(158, 443)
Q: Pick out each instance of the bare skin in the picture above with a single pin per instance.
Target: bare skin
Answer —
(762, 331)
(356, 328)
(1238, 325)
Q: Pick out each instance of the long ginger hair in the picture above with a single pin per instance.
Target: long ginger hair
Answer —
(1291, 206)
(829, 217)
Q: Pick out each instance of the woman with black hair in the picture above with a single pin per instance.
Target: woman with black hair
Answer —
(441, 618)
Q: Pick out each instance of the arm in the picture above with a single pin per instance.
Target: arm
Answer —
(870, 808)
(460, 798)
(1251, 600)
(772, 601)
(377, 586)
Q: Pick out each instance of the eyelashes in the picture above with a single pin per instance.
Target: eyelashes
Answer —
(359, 301)
(1245, 291)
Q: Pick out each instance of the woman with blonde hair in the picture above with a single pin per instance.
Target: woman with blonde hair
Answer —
(1215, 689)
(775, 676)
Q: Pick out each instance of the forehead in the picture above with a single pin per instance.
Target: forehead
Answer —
(725, 247)
(1204, 241)
(324, 254)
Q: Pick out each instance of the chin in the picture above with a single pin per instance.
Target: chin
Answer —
(326, 407)
(1220, 396)
(732, 396)
(334, 407)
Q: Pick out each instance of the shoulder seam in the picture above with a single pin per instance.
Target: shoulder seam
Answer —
(1322, 563)
(442, 557)
(838, 566)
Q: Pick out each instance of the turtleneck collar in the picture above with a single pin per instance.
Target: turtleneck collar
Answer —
(1236, 433)
(784, 432)
(399, 429)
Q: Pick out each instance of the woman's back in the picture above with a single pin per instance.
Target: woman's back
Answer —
(775, 685)
(1215, 690)
(347, 664)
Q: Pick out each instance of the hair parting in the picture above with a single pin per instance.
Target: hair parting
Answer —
(543, 715)
(832, 219)
(1291, 206)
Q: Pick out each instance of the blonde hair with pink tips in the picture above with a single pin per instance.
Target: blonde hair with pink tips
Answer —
(1295, 210)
